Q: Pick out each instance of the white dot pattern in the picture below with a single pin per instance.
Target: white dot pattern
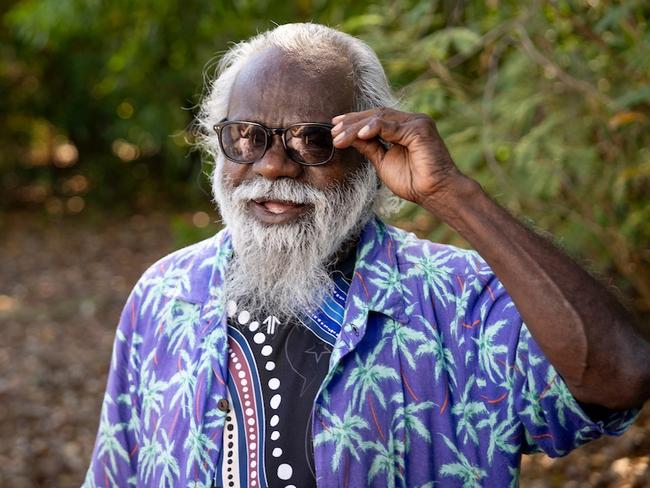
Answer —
(285, 471)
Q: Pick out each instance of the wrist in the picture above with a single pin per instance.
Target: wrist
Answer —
(449, 202)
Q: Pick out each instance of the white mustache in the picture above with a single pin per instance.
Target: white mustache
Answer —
(285, 190)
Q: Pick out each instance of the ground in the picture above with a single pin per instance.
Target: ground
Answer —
(62, 286)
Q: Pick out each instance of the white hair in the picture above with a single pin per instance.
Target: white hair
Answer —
(306, 41)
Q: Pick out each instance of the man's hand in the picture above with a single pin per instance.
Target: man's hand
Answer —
(415, 165)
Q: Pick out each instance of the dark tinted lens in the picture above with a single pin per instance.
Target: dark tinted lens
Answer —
(242, 141)
(309, 144)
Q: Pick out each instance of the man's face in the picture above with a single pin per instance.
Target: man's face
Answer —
(289, 221)
(276, 91)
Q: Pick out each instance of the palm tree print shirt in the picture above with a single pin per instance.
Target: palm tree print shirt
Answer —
(433, 378)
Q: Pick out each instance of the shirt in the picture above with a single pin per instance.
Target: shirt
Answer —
(433, 377)
(275, 370)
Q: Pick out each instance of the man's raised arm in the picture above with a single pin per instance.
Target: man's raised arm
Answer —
(585, 333)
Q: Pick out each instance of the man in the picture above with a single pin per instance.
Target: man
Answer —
(310, 344)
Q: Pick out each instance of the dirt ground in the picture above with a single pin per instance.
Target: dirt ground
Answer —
(62, 286)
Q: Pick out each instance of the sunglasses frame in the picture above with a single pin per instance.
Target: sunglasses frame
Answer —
(269, 133)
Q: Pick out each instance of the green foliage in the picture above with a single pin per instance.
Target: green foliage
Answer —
(547, 104)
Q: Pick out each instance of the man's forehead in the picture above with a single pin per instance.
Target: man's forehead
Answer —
(304, 85)
(310, 66)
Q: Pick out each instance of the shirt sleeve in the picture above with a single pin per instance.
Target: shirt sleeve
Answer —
(554, 421)
(114, 458)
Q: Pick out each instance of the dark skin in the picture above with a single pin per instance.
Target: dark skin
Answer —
(585, 333)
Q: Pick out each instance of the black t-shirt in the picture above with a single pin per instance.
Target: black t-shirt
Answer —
(275, 371)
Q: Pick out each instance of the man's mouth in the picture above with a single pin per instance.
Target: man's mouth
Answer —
(278, 206)
(277, 211)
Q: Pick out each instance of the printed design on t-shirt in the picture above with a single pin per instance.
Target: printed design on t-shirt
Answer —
(267, 437)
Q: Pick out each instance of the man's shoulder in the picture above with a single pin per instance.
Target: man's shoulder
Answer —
(413, 251)
(186, 272)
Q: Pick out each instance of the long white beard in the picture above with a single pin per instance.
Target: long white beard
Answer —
(284, 269)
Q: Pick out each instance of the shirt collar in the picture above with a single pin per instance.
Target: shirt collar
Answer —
(377, 278)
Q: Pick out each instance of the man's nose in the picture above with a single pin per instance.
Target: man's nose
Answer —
(276, 163)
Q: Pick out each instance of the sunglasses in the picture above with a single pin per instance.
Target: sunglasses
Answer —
(244, 142)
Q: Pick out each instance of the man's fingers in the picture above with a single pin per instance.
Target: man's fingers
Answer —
(391, 125)
(365, 129)
(384, 112)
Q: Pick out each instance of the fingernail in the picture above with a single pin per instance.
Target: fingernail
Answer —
(337, 127)
(337, 119)
(339, 138)
(364, 130)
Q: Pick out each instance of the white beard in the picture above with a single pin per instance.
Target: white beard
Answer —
(284, 269)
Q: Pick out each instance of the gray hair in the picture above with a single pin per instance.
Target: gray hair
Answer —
(303, 40)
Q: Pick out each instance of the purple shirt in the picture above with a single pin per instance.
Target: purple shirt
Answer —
(433, 377)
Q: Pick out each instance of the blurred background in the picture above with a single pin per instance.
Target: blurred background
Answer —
(546, 103)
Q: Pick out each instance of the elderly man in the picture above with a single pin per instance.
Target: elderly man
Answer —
(310, 344)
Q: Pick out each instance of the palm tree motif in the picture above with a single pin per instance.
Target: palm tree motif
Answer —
(488, 350)
(170, 469)
(388, 460)
(406, 418)
(148, 456)
(531, 398)
(563, 398)
(218, 416)
(215, 304)
(584, 435)
(219, 258)
(475, 266)
(198, 446)
(444, 358)
(435, 275)
(469, 474)
(367, 375)
(466, 410)
(400, 336)
(167, 283)
(388, 279)
(134, 352)
(363, 252)
(133, 424)
(344, 433)
(525, 356)
(460, 303)
(181, 321)
(185, 382)
(109, 443)
(378, 301)
(500, 434)
(151, 390)
(213, 350)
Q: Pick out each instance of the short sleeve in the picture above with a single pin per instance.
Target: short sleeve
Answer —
(554, 421)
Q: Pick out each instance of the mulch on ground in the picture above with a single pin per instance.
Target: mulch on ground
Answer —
(62, 287)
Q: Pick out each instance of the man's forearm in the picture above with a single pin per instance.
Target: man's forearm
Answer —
(585, 333)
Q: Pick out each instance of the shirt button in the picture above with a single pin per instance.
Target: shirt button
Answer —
(223, 405)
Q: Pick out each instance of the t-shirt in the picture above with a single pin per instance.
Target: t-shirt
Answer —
(275, 371)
